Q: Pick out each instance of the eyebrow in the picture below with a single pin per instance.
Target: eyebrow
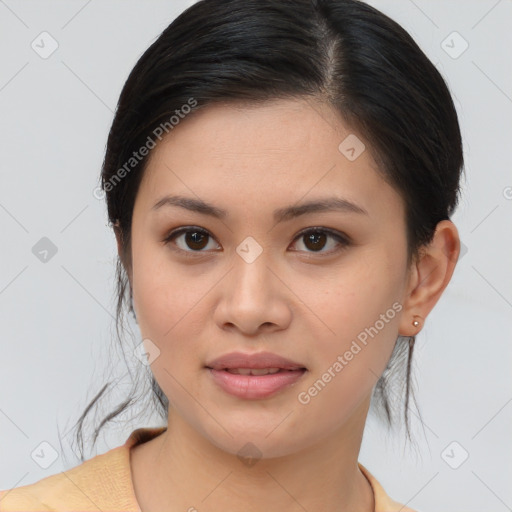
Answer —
(280, 215)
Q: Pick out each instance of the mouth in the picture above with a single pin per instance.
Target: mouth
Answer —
(254, 376)
(257, 363)
(257, 371)
(260, 385)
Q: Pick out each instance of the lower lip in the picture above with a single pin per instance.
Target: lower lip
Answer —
(253, 387)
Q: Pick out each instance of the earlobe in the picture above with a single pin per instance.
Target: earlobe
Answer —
(430, 274)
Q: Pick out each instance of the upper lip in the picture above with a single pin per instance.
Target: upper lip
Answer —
(257, 360)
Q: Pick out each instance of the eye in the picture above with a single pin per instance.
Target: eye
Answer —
(191, 237)
(316, 239)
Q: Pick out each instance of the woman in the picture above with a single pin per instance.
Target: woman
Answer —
(280, 177)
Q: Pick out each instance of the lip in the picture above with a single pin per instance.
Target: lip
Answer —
(254, 387)
(256, 360)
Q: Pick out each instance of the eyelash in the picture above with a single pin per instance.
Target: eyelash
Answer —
(339, 237)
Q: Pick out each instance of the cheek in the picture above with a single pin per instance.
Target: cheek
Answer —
(359, 312)
(160, 296)
(354, 341)
(169, 304)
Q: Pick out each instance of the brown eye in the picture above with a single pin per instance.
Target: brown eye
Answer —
(189, 239)
(314, 240)
(195, 240)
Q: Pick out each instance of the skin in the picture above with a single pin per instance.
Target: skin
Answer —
(303, 301)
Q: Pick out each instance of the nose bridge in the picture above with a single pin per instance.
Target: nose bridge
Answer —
(251, 276)
(251, 295)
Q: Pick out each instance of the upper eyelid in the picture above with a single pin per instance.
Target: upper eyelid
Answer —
(330, 231)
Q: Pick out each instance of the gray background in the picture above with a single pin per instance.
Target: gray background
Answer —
(57, 316)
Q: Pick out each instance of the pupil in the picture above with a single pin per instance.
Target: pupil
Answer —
(193, 238)
(314, 238)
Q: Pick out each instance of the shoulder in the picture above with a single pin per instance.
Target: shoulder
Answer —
(96, 484)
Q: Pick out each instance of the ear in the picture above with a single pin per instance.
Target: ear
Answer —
(429, 275)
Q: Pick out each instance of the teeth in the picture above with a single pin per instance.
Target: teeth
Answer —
(253, 371)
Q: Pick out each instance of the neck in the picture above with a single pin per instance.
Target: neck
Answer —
(182, 470)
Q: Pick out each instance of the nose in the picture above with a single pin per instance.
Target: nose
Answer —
(253, 298)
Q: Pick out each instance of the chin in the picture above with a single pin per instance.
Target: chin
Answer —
(256, 443)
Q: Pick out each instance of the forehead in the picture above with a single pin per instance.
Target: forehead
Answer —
(275, 152)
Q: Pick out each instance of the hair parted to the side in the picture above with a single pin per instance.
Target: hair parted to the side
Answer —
(342, 52)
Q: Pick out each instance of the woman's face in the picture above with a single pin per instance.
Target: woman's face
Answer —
(323, 288)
